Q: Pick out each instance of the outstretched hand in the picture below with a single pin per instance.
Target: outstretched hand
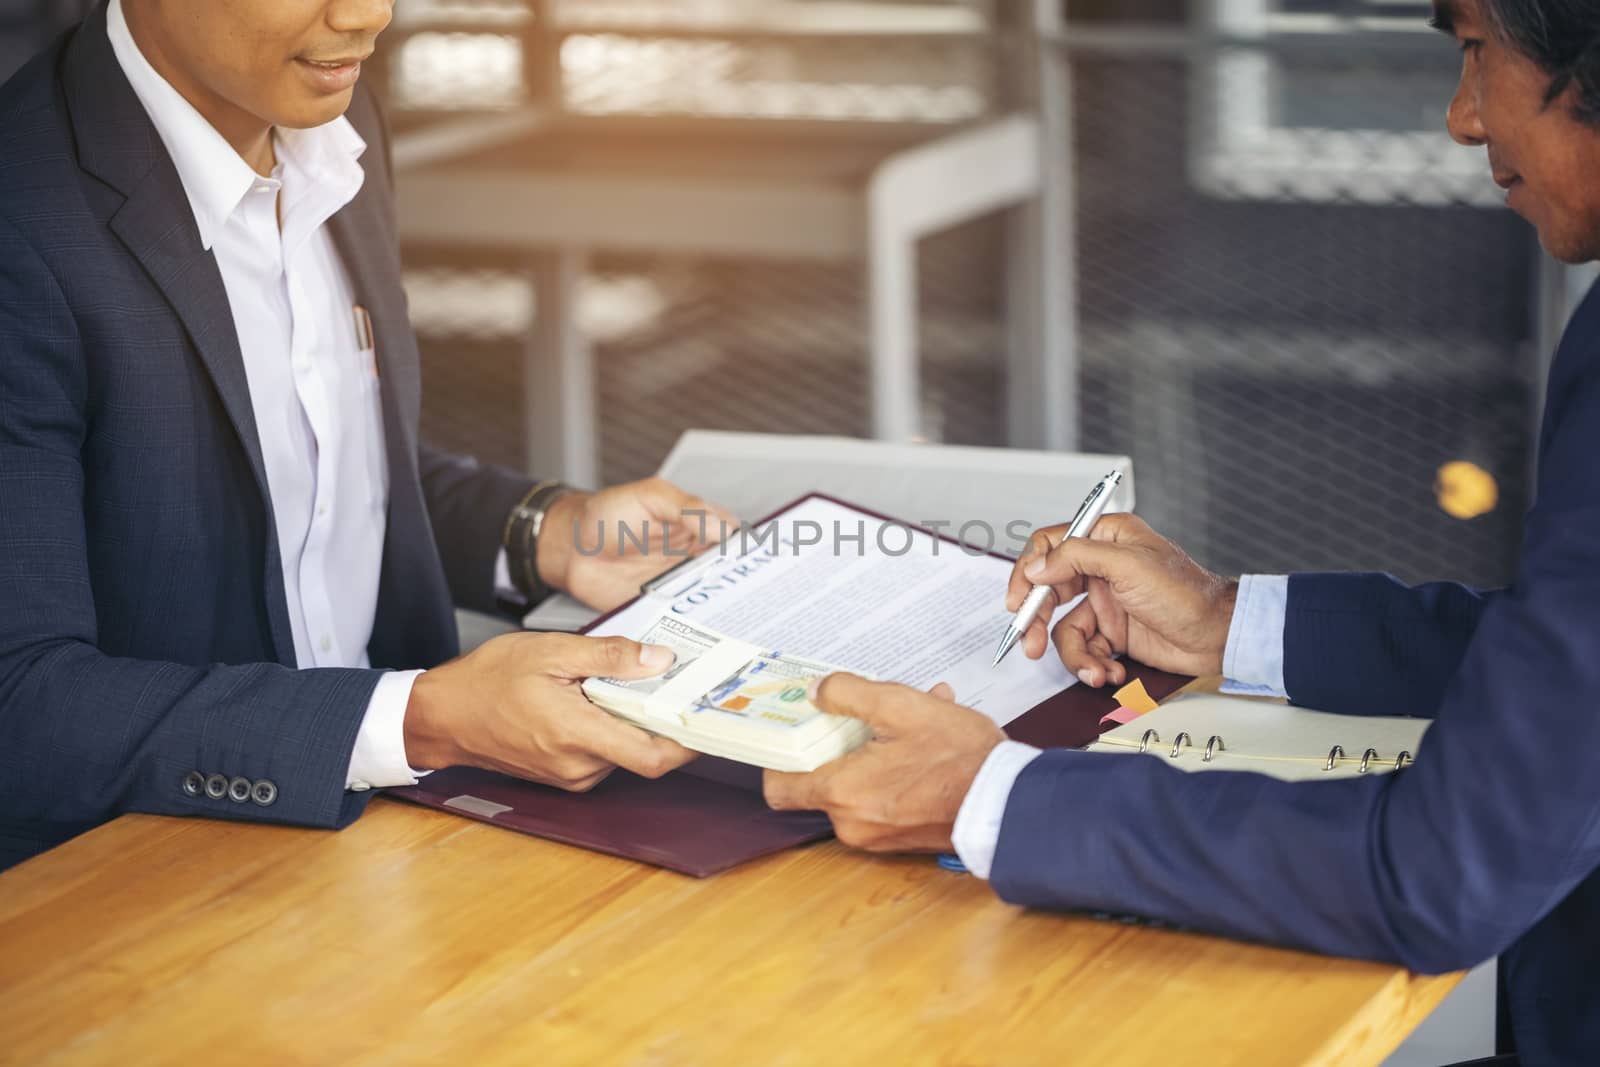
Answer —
(516, 705)
(901, 791)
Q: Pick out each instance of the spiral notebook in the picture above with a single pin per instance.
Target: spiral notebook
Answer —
(1203, 731)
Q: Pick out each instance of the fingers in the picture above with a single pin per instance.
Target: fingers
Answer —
(1111, 671)
(585, 784)
(719, 521)
(1078, 558)
(689, 520)
(786, 791)
(1039, 546)
(600, 736)
(572, 657)
(944, 691)
(1125, 528)
(1084, 650)
(1036, 639)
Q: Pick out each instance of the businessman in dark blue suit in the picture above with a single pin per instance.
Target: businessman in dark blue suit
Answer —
(226, 560)
(1489, 845)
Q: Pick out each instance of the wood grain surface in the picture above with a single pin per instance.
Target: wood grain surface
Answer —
(415, 936)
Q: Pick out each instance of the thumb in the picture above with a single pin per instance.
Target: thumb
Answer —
(610, 657)
(878, 704)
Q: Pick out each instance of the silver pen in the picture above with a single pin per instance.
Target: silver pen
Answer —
(1094, 505)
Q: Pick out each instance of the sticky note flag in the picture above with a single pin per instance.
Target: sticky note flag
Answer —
(1134, 697)
(1120, 716)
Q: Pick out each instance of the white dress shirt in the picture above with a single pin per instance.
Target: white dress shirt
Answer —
(314, 391)
(1252, 662)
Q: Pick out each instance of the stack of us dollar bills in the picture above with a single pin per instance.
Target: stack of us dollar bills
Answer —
(730, 698)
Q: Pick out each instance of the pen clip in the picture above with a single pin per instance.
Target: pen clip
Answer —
(363, 320)
(1102, 489)
(1083, 508)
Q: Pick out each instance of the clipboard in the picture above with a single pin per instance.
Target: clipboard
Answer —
(709, 816)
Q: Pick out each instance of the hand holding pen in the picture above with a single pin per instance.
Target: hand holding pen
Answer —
(1094, 505)
(1145, 599)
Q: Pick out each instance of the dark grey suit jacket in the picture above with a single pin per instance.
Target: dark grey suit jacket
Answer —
(144, 633)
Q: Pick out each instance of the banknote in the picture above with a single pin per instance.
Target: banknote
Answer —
(769, 690)
(687, 642)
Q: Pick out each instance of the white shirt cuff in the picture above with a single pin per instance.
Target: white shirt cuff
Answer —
(1252, 662)
(379, 758)
(977, 829)
(504, 587)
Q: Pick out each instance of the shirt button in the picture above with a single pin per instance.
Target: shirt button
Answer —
(322, 510)
(359, 787)
(327, 643)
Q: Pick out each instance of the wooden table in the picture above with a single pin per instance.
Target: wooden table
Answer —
(417, 936)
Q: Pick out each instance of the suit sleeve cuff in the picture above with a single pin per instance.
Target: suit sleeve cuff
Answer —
(379, 757)
(977, 829)
(1252, 662)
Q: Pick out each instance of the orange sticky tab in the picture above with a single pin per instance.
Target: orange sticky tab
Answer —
(1133, 697)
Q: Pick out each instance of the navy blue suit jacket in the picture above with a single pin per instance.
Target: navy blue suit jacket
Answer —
(143, 627)
(1488, 845)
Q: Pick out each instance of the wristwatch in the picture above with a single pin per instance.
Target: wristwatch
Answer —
(521, 538)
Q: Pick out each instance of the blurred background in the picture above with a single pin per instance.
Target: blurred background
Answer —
(1228, 238)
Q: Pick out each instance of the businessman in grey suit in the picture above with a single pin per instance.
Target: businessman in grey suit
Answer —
(227, 563)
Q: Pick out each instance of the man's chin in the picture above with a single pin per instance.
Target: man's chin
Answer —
(1570, 248)
(307, 114)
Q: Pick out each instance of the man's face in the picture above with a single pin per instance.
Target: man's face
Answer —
(1546, 158)
(290, 63)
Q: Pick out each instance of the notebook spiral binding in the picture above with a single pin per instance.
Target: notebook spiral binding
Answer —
(1215, 744)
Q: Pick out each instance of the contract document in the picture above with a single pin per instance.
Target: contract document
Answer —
(822, 586)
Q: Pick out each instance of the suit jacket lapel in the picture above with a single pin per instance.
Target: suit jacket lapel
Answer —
(158, 229)
(118, 144)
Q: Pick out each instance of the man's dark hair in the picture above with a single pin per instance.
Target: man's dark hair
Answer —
(1563, 37)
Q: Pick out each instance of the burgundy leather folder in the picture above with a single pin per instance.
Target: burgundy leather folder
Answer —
(710, 815)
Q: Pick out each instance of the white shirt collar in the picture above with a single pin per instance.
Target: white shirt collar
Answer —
(215, 177)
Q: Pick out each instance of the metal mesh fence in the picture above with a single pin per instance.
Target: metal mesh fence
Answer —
(695, 342)
(1292, 307)
(1290, 356)
(726, 58)
(735, 345)
(875, 81)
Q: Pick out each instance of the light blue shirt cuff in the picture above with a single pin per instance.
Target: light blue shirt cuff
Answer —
(977, 829)
(1252, 662)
